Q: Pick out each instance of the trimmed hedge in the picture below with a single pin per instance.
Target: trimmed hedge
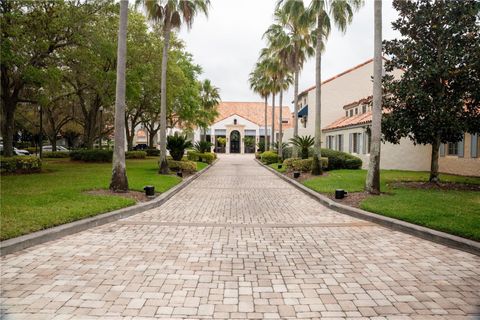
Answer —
(92, 155)
(21, 164)
(152, 152)
(184, 166)
(135, 155)
(207, 157)
(341, 160)
(55, 154)
(269, 157)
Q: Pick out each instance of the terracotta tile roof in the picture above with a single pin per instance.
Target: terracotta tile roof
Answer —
(254, 112)
(362, 118)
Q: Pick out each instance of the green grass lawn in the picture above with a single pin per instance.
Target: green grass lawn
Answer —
(57, 195)
(455, 212)
(275, 166)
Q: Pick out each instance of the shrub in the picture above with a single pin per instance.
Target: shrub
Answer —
(207, 157)
(287, 152)
(177, 144)
(184, 166)
(92, 155)
(135, 155)
(258, 155)
(269, 157)
(303, 143)
(341, 160)
(287, 163)
(21, 164)
(55, 154)
(203, 146)
(261, 146)
(305, 165)
(152, 152)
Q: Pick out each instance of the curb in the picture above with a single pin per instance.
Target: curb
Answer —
(23, 242)
(440, 237)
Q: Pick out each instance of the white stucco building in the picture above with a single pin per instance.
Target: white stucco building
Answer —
(346, 118)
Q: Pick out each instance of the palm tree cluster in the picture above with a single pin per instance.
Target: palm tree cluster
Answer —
(298, 33)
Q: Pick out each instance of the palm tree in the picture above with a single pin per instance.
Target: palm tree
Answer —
(284, 84)
(119, 181)
(171, 14)
(325, 11)
(210, 97)
(372, 183)
(261, 84)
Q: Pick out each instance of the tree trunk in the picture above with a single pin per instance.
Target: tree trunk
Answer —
(8, 127)
(280, 149)
(119, 182)
(372, 184)
(53, 141)
(151, 137)
(265, 141)
(434, 161)
(273, 122)
(317, 153)
(295, 110)
(163, 165)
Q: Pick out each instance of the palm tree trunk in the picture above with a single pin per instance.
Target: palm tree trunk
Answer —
(317, 153)
(163, 102)
(295, 110)
(273, 121)
(265, 141)
(119, 182)
(280, 149)
(372, 184)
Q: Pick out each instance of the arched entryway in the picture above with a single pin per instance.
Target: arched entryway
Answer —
(235, 141)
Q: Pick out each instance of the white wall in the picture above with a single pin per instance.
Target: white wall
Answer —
(402, 156)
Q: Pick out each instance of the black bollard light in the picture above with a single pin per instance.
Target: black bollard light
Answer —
(296, 174)
(279, 166)
(149, 191)
(180, 174)
(340, 194)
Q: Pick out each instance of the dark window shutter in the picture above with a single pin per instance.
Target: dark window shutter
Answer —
(473, 145)
(461, 147)
(350, 142)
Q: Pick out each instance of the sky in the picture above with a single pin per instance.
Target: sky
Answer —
(228, 42)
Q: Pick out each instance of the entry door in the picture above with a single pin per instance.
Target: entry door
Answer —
(235, 142)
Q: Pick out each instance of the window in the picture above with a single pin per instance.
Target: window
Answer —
(356, 143)
(285, 120)
(330, 142)
(364, 108)
(234, 121)
(340, 142)
(356, 110)
(351, 112)
(452, 148)
(346, 113)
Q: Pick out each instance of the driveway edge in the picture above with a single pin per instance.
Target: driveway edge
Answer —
(32, 239)
(440, 237)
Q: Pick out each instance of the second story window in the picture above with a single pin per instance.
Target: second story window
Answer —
(234, 121)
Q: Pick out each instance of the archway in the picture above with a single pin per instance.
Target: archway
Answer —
(235, 141)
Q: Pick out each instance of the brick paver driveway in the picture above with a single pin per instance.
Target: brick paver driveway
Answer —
(239, 242)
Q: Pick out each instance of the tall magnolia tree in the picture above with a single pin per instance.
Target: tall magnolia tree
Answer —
(171, 14)
(372, 184)
(209, 97)
(437, 99)
(119, 181)
(326, 12)
(293, 42)
(261, 84)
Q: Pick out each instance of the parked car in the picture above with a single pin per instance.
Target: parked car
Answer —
(140, 146)
(18, 152)
(59, 149)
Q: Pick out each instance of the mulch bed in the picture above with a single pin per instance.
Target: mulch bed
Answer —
(135, 195)
(437, 186)
(304, 175)
(351, 199)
